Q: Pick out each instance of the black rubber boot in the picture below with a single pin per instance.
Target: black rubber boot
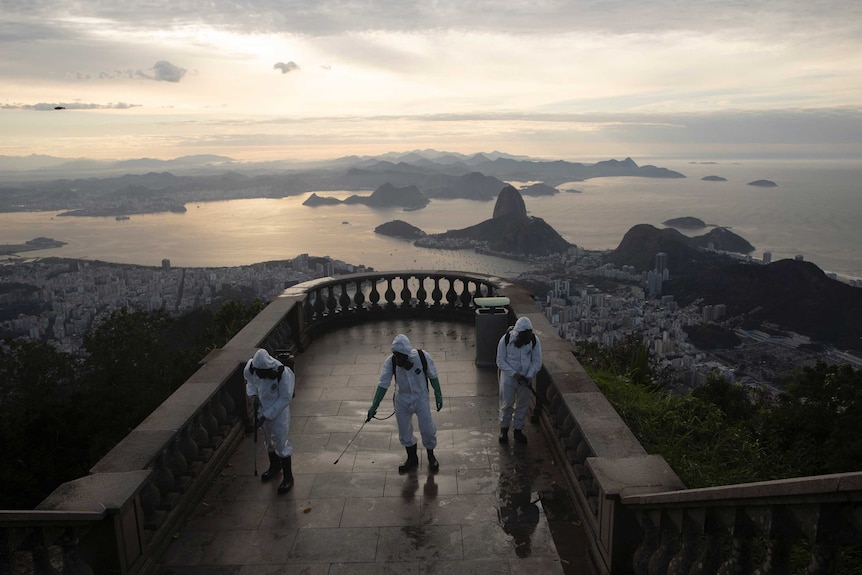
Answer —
(287, 481)
(412, 461)
(519, 436)
(274, 467)
(433, 464)
(504, 435)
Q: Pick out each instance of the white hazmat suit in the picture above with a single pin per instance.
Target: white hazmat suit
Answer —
(411, 397)
(272, 384)
(519, 360)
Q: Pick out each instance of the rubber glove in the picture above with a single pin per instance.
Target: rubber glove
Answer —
(438, 395)
(378, 397)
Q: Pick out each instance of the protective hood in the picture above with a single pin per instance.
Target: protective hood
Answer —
(401, 344)
(523, 324)
(262, 360)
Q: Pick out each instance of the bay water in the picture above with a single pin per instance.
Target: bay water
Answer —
(815, 211)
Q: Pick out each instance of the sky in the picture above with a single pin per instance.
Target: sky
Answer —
(302, 80)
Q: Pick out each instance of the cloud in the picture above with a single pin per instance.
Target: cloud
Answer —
(285, 68)
(42, 106)
(164, 71)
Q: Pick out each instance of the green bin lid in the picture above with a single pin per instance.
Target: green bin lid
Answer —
(491, 301)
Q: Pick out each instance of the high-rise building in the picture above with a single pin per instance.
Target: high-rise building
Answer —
(166, 264)
(660, 262)
(767, 258)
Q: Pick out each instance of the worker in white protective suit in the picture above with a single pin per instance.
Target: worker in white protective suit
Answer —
(270, 384)
(519, 358)
(411, 368)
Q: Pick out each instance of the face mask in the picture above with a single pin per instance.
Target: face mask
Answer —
(523, 338)
(403, 361)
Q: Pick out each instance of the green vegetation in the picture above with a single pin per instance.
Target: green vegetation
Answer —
(60, 414)
(721, 433)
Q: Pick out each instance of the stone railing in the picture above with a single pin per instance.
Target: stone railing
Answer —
(637, 513)
(121, 517)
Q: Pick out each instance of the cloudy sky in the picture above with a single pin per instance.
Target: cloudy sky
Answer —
(285, 79)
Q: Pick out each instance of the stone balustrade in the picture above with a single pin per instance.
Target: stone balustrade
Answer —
(641, 519)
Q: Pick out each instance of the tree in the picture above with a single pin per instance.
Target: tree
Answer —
(39, 399)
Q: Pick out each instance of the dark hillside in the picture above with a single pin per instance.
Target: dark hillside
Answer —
(795, 295)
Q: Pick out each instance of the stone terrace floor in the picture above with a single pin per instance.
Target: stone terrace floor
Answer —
(491, 508)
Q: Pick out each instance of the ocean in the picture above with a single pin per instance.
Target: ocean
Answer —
(814, 212)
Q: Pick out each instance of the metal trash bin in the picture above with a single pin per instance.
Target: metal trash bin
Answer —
(492, 321)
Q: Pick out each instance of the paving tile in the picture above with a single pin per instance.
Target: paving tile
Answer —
(302, 513)
(380, 511)
(227, 515)
(459, 509)
(341, 545)
(470, 567)
(255, 547)
(348, 485)
(473, 481)
(419, 543)
(189, 548)
(299, 569)
(403, 568)
(420, 484)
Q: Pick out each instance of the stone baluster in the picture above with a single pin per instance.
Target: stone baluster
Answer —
(451, 294)
(359, 296)
(187, 445)
(715, 533)
(667, 546)
(421, 292)
(741, 531)
(406, 294)
(344, 298)
(73, 562)
(437, 293)
(331, 300)
(779, 533)
(389, 294)
(209, 421)
(689, 524)
(466, 298)
(308, 307)
(651, 537)
(40, 553)
(219, 410)
(199, 435)
(374, 294)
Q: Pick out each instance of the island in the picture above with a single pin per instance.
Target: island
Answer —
(400, 229)
(40, 243)
(538, 190)
(763, 184)
(713, 179)
(685, 223)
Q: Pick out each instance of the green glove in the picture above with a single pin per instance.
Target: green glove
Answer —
(378, 397)
(438, 395)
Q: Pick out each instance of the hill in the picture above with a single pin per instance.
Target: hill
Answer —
(510, 230)
(642, 242)
(794, 295)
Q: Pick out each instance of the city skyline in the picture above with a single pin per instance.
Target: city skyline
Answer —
(563, 80)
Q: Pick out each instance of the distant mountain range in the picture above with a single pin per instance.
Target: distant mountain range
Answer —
(131, 187)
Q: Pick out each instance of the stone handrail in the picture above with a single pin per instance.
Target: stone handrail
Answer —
(749, 528)
(121, 517)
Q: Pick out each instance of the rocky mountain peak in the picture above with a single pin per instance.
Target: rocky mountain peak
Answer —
(510, 203)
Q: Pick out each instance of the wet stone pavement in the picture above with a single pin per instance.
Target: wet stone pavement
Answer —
(490, 509)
